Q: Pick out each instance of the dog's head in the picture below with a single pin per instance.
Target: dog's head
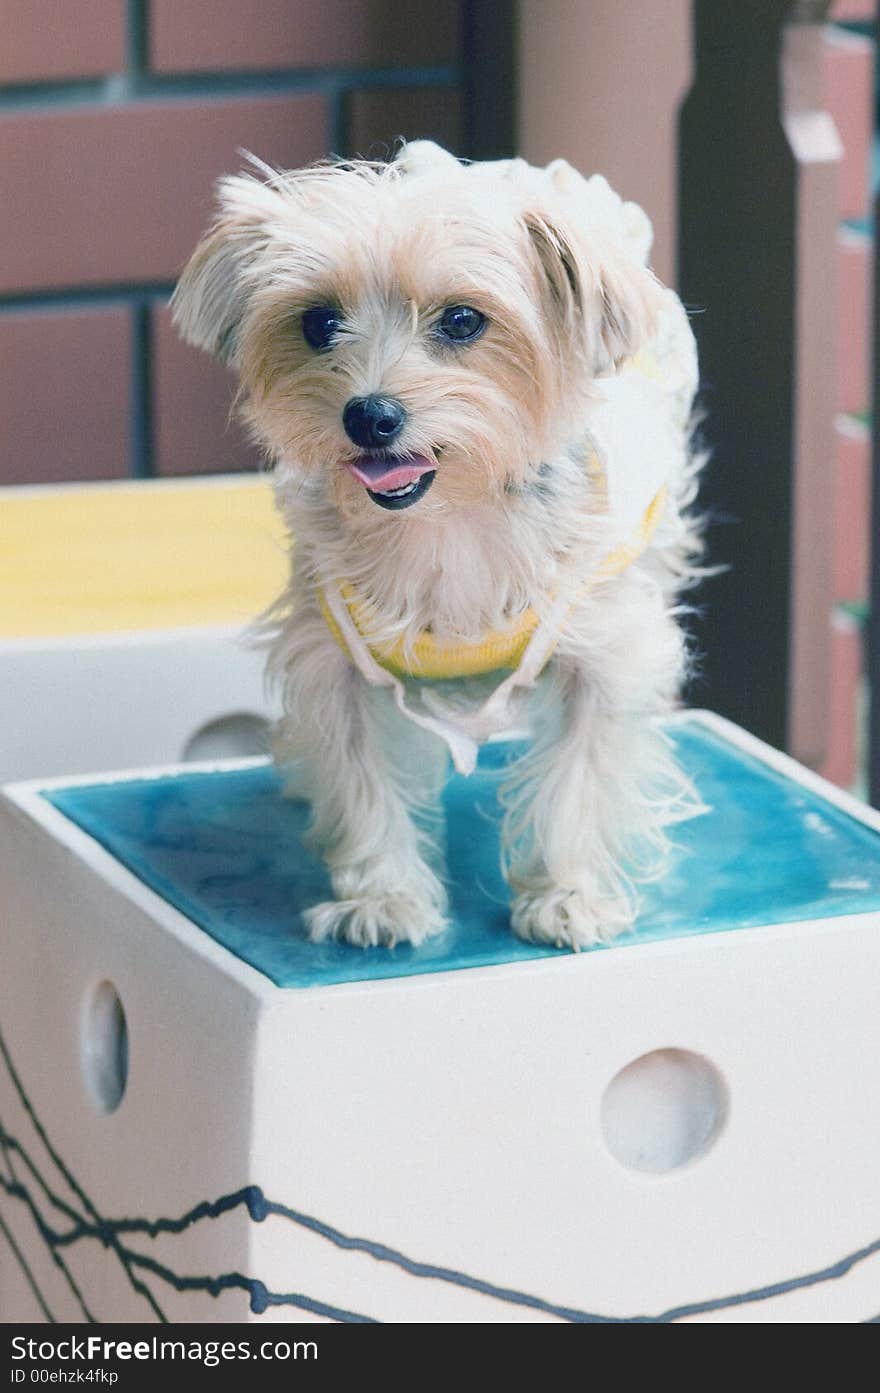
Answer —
(421, 325)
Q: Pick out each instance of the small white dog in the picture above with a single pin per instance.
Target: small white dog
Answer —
(478, 402)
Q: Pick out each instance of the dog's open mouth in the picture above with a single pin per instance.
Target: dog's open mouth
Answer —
(394, 481)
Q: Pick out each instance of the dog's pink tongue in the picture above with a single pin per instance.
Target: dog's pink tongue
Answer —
(384, 474)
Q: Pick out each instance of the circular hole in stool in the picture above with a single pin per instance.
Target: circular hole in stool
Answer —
(662, 1110)
(105, 1047)
(236, 736)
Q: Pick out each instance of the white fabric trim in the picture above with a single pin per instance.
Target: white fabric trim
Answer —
(463, 731)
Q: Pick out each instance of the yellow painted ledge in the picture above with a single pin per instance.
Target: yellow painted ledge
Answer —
(104, 558)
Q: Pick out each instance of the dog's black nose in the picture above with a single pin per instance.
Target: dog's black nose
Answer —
(373, 422)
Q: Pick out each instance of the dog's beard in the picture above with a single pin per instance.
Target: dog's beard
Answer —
(462, 459)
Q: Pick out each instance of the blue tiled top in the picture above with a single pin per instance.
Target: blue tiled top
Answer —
(226, 849)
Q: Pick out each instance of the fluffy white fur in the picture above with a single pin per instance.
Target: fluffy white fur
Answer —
(555, 263)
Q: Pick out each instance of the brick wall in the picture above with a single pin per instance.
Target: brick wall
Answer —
(850, 96)
(116, 117)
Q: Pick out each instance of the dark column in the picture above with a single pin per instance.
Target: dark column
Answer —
(756, 264)
(490, 50)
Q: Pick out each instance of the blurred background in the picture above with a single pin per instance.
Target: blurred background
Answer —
(746, 130)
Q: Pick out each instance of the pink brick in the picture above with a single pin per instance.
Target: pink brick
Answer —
(852, 511)
(106, 195)
(841, 763)
(192, 397)
(854, 316)
(64, 387)
(217, 35)
(843, 10)
(848, 70)
(45, 40)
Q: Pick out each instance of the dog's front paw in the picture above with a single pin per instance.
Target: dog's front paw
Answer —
(577, 918)
(376, 920)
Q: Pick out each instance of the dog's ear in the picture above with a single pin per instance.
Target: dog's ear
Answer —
(630, 300)
(603, 298)
(210, 297)
(558, 262)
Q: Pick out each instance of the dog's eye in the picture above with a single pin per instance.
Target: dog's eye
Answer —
(319, 325)
(461, 323)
